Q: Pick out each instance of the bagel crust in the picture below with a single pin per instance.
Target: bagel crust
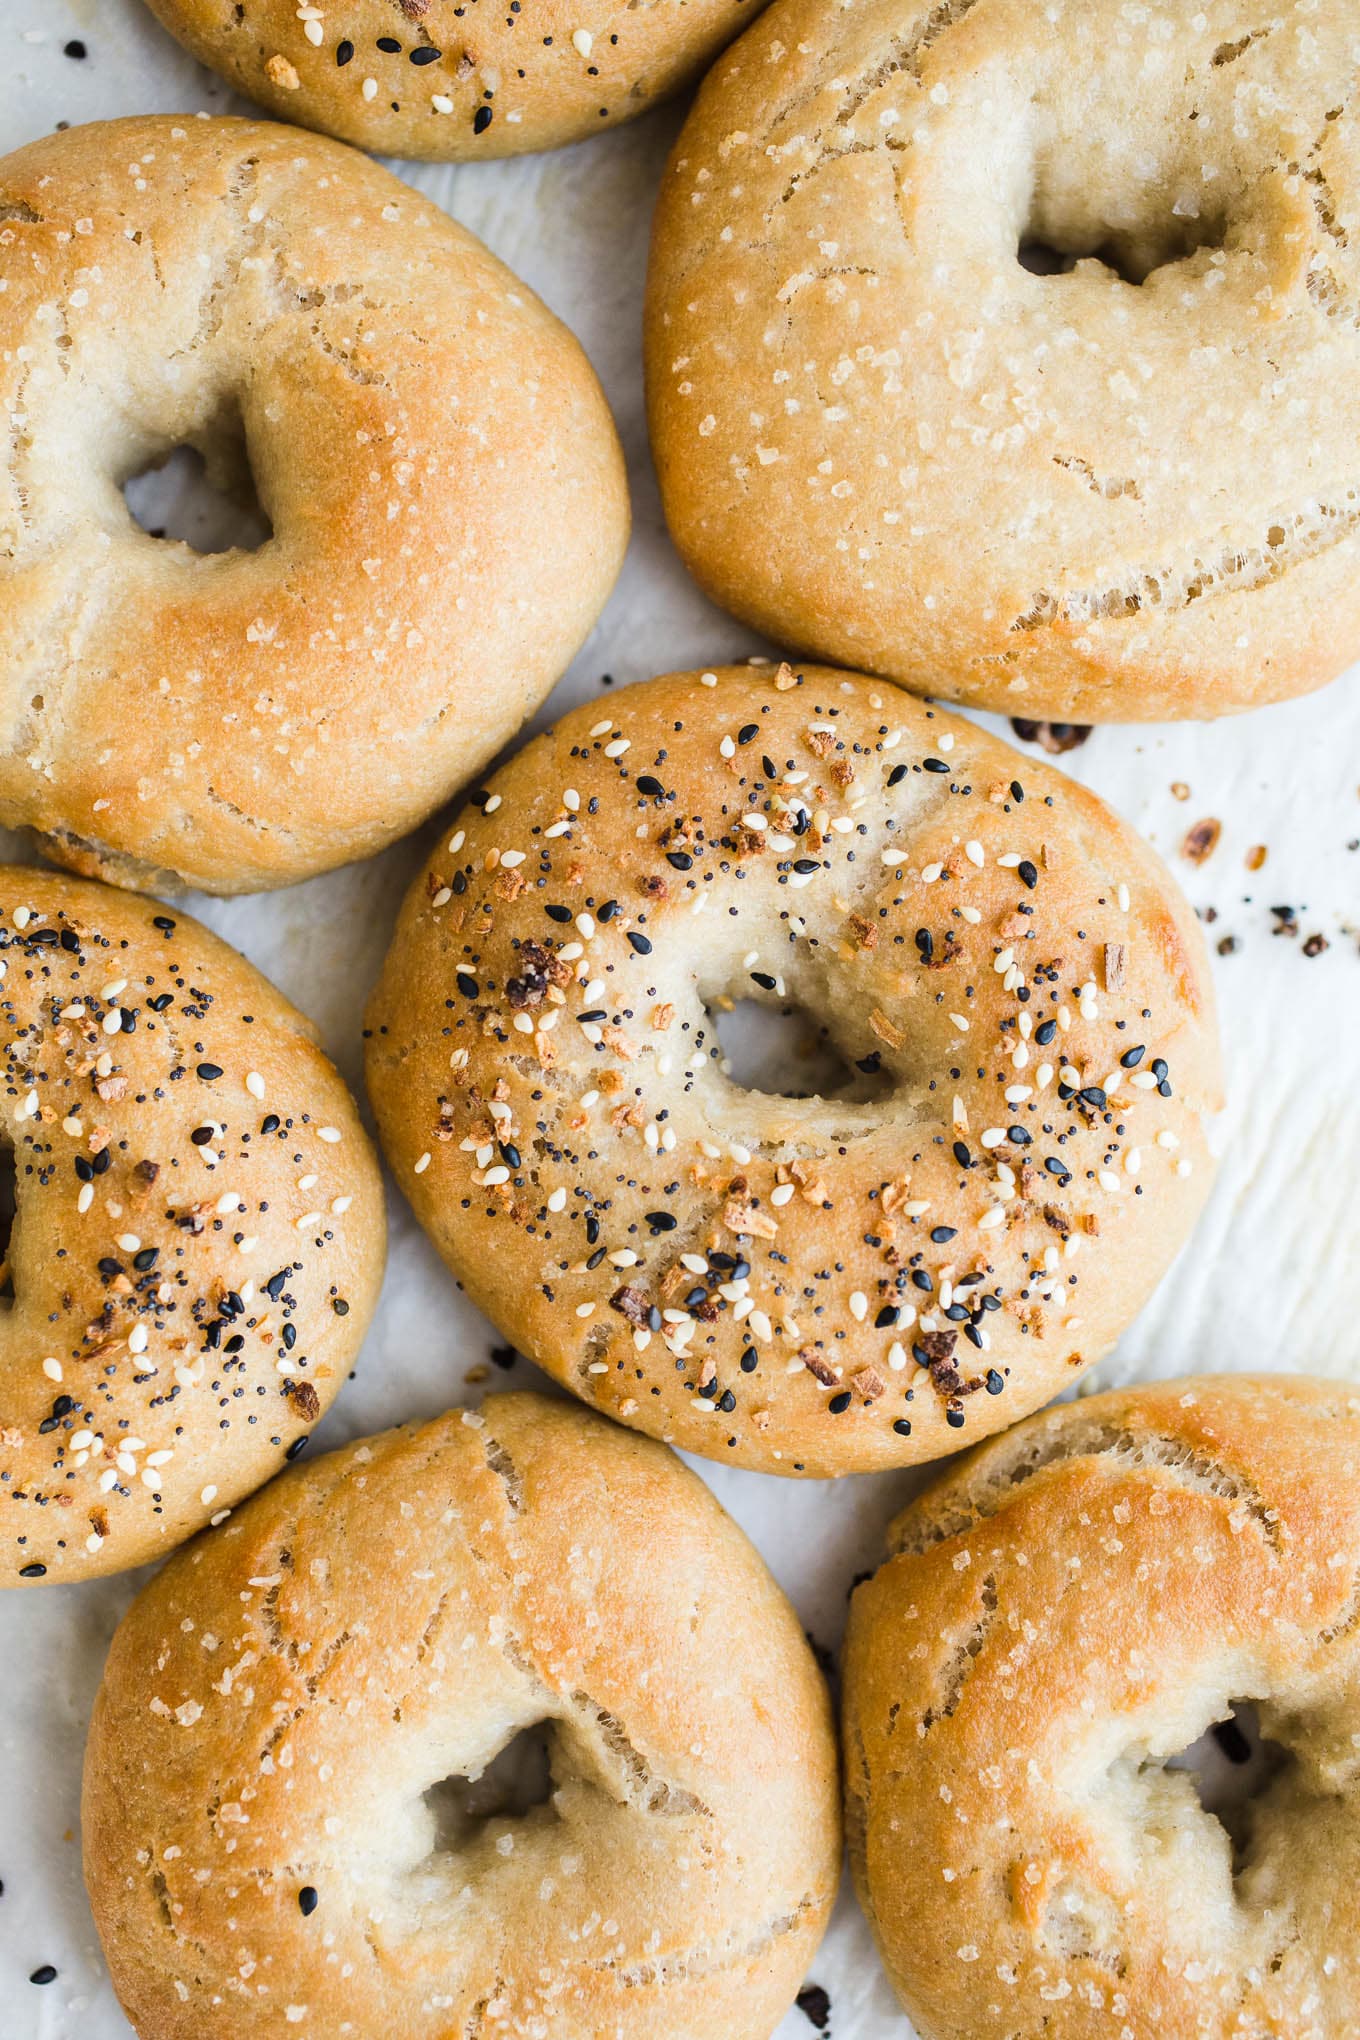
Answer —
(456, 79)
(1127, 490)
(198, 1235)
(1018, 995)
(1059, 1616)
(264, 1843)
(413, 418)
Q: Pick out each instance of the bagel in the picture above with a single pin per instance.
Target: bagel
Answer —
(1018, 996)
(1059, 1617)
(198, 1231)
(278, 1828)
(239, 721)
(452, 81)
(1124, 491)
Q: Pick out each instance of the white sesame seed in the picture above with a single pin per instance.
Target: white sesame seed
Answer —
(859, 1305)
(781, 1194)
(328, 1133)
(255, 1084)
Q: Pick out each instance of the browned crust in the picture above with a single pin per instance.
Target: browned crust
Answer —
(416, 421)
(883, 441)
(1060, 1613)
(277, 1701)
(534, 1140)
(175, 1328)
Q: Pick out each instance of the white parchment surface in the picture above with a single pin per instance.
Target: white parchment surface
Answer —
(1271, 1278)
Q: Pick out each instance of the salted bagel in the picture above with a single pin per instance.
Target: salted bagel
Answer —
(1020, 1003)
(434, 454)
(198, 1231)
(456, 78)
(287, 1818)
(1126, 490)
(1058, 1617)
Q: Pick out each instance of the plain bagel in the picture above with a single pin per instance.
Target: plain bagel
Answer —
(1057, 1621)
(414, 420)
(198, 1232)
(1020, 1003)
(293, 1813)
(456, 78)
(1124, 491)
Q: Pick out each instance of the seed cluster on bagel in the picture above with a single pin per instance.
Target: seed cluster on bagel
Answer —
(1011, 350)
(198, 1233)
(1060, 1618)
(281, 304)
(1018, 994)
(453, 79)
(290, 1809)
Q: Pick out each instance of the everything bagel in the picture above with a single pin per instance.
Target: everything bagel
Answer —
(1125, 488)
(1020, 1003)
(291, 1813)
(414, 419)
(197, 1241)
(455, 79)
(1058, 1620)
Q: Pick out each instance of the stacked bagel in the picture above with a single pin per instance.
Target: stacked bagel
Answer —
(497, 1725)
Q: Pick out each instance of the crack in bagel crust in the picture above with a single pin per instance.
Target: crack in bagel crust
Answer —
(850, 347)
(299, 318)
(805, 1284)
(198, 1236)
(1059, 1620)
(281, 1704)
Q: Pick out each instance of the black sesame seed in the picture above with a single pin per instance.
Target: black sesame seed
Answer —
(679, 860)
(661, 1221)
(298, 1445)
(902, 1426)
(556, 913)
(934, 765)
(1133, 1056)
(308, 1900)
(467, 985)
(954, 1419)
(639, 942)
(209, 1072)
(389, 45)
(839, 1404)
(426, 55)
(748, 732)
(763, 979)
(961, 1155)
(895, 778)
(941, 1233)
(995, 1384)
(1027, 873)
(651, 786)
(869, 1065)
(749, 1360)
(481, 120)
(34, 1572)
(1045, 1032)
(344, 53)
(45, 1973)
(886, 1317)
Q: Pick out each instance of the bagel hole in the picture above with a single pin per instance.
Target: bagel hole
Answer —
(9, 1204)
(1232, 1767)
(203, 497)
(785, 1052)
(513, 1785)
(1133, 256)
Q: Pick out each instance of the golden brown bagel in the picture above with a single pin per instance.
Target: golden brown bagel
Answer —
(198, 1233)
(1123, 492)
(456, 78)
(278, 1826)
(1021, 1005)
(1060, 1615)
(416, 422)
